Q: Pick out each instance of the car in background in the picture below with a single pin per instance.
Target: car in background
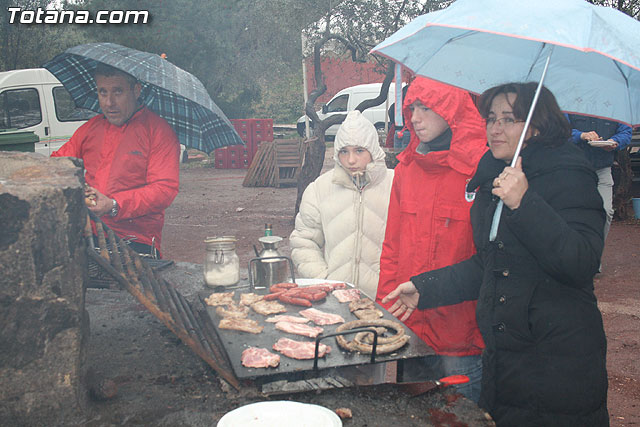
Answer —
(34, 100)
(347, 100)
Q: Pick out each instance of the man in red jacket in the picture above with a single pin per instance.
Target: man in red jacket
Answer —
(131, 157)
(428, 223)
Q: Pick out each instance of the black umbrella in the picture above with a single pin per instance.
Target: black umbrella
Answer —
(169, 91)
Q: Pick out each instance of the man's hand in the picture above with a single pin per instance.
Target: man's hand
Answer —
(612, 146)
(593, 136)
(407, 302)
(103, 203)
(590, 136)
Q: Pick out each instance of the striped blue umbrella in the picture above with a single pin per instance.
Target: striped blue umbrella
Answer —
(169, 91)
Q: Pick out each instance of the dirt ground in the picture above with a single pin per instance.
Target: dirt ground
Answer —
(174, 383)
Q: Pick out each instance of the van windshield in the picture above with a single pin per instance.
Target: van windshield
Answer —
(338, 104)
(66, 110)
(19, 108)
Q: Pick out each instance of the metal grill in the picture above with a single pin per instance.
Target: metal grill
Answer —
(133, 273)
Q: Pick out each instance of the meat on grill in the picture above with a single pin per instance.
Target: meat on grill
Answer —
(368, 314)
(347, 295)
(291, 293)
(249, 298)
(256, 357)
(244, 325)
(300, 349)
(365, 309)
(220, 298)
(286, 318)
(361, 304)
(268, 307)
(333, 286)
(299, 329)
(232, 311)
(321, 317)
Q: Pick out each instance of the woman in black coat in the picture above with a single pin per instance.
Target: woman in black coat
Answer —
(545, 357)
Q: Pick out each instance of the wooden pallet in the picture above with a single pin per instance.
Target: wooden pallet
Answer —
(276, 164)
(261, 172)
(287, 162)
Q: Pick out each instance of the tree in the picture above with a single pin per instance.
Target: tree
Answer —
(630, 7)
(30, 45)
(237, 49)
(353, 26)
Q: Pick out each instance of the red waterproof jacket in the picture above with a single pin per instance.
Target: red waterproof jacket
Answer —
(428, 224)
(136, 163)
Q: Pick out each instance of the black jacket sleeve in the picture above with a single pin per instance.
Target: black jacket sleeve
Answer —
(450, 285)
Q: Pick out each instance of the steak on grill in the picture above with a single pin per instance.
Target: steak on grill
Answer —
(244, 325)
(321, 317)
(268, 307)
(347, 295)
(300, 349)
(286, 318)
(256, 357)
(299, 329)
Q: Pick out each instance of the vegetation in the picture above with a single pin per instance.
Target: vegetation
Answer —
(356, 27)
(247, 53)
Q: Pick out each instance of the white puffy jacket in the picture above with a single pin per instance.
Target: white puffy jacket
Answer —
(339, 229)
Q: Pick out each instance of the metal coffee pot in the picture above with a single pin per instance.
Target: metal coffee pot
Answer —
(270, 267)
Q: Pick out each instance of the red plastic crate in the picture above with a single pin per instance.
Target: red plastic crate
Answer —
(244, 127)
(233, 157)
(221, 158)
(252, 132)
(262, 130)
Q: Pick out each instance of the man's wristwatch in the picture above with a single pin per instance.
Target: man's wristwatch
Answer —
(114, 208)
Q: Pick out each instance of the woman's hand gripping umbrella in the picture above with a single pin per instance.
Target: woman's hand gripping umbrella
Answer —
(511, 185)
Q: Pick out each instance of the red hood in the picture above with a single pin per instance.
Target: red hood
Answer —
(469, 137)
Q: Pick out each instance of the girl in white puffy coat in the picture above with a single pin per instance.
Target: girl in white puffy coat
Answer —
(343, 214)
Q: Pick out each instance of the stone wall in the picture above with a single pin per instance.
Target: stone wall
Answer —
(42, 267)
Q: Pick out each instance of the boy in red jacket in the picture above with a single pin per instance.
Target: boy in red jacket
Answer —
(428, 223)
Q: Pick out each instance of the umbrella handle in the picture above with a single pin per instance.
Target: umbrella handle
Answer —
(496, 221)
(398, 102)
(496, 215)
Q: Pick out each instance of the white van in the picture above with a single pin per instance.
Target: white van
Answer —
(347, 100)
(34, 100)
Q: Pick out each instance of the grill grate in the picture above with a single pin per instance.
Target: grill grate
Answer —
(114, 262)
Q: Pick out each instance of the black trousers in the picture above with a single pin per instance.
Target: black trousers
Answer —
(140, 248)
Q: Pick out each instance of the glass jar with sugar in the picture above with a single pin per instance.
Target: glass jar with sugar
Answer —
(221, 264)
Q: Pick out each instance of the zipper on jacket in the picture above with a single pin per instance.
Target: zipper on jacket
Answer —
(356, 259)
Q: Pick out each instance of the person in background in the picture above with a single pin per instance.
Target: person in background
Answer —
(429, 225)
(131, 158)
(545, 358)
(588, 129)
(393, 140)
(340, 226)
